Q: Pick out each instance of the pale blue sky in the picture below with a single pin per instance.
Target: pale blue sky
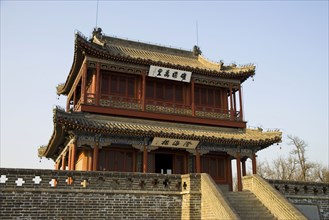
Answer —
(287, 41)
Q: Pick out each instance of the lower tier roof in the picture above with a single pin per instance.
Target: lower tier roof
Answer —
(65, 123)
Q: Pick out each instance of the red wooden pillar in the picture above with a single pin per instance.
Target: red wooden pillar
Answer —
(193, 97)
(84, 82)
(143, 90)
(97, 86)
(234, 102)
(238, 166)
(95, 157)
(75, 97)
(198, 161)
(69, 158)
(254, 166)
(145, 159)
(229, 173)
(73, 155)
(63, 162)
(68, 103)
(241, 105)
(57, 165)
(231, 104)
(244, 171)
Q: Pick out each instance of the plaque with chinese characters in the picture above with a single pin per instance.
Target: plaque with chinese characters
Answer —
(174, 143)
(171, 74)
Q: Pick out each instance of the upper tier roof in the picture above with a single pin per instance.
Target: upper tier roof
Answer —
(122, 50)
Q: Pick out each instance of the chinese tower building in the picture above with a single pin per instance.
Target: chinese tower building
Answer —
(138, 107)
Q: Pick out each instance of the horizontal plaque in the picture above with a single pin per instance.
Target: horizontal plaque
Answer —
(171, 74)
(174, 143)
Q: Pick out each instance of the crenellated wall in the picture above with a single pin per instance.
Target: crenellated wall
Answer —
(46, 194)
(310, 197)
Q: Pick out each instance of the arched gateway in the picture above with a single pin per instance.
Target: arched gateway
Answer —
(137, 107)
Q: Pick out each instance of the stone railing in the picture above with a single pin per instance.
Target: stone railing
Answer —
(306, 195)
(277, 204)
(214, 204)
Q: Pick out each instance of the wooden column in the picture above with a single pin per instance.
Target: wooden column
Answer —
(63, 162)
(75, 97)
(244, 171)
(230, 180)
(143, 91)
(97, 92)
(241, 105)
(84, 83)
(69, 158)
(68, 104)
(95, 157)
(57, 165)
(192, 97)
(234, 102)
(238, 173)
(145, 159)
(254, 166)
(231, 103)
(73, 155)
(197, 161)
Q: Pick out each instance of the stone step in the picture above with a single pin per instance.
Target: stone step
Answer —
(247, 206)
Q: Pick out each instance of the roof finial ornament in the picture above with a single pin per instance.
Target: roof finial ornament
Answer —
(221, 64)
(196, 50)
(98, 32)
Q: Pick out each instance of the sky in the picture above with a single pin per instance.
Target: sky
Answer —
(286, 40)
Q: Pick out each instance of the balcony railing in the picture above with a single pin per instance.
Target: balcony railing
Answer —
(168, 107)
(158, 106)
(120, 102)
(212, 112)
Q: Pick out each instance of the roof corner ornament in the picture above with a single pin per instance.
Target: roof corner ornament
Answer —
(221, 64)
(97, 37)
(98, 32)
(196, 50)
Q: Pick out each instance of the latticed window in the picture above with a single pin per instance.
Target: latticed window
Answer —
(116, 159)
(165, 90)
(118, 85)
(209, 96)
(214, 165)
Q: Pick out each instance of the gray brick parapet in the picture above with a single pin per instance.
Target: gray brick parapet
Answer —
(302, 193)
(47, 194)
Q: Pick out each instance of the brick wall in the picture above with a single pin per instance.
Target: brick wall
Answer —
(46, 194)
(305, 193)
(214, 204)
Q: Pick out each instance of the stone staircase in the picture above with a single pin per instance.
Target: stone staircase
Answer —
(247, 206)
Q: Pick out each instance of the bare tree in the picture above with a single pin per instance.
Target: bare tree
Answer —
(295, 166)
(281, 168)
(300, 151)
(319, 173)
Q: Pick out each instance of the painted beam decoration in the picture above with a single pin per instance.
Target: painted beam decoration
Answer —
(174, 143)
(171, 74)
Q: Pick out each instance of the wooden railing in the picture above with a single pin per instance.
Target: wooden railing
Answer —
(120, 102)
(160, 106)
